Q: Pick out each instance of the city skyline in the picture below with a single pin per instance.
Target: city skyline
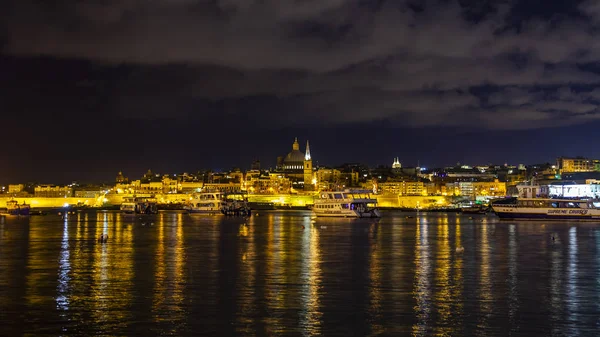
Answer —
(140, 170)
(89, 90)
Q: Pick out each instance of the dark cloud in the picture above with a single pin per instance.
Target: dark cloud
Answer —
(314, 62)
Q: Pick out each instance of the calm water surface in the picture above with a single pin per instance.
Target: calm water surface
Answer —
(284, 273)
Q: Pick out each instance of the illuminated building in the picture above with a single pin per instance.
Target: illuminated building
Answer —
(579, 164)
(53, 191)
(396, 164)
(189, 186)
(170, 185)
(149, 187)
(15, 188)
(222, 187)
(121, 179)
(297, 166)
(266, 183)
(88, 193)
(403, 188)
(328, 179)
(473, 190)
(308, 170)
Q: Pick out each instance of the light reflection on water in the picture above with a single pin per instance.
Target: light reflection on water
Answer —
(289, 274)
(64, 267)
(422, 289)
(572, 300)
(513, 290)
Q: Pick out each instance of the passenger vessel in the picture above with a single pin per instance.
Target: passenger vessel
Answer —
(230, 203)
(548, 209)
(205, 203)
(236, 203)
(13, 208)
(356, 204)
(139, 205)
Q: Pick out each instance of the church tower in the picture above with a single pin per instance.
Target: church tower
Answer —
(308, 170)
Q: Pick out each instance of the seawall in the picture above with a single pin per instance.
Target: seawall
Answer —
(37, 202)
(277, 199)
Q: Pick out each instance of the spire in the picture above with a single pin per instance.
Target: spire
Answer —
(307, 155)
(296, 146)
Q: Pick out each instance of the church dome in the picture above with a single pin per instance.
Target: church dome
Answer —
(295, 159)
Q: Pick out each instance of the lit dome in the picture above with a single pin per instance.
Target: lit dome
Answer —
(295, 159)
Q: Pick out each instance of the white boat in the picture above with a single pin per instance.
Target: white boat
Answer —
(230, 203)
(356, 204)
(139, 205)
(548, 209)
(205, 203)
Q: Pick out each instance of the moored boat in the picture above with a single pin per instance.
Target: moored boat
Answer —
(229, 203)
(14, 208)
(356, 204)
(139, 205)
(477, 209)
(235, 203)
(205, 203)
(548, 209)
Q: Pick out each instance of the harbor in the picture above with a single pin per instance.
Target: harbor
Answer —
(432, 269)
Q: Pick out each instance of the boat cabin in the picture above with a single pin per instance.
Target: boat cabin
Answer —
(558, 203)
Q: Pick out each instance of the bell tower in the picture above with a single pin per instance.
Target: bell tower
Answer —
(308, 170)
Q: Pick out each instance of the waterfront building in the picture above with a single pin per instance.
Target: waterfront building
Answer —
(189, 186)
(577, 164)
(170, 184)
(258, 182)
(16, 188)
(477, 189)
(222, 187)
(349, 179)
(53, 191)
(150, 187)
(408, 188)
(235, 176)
(328, 178)
(85, 193)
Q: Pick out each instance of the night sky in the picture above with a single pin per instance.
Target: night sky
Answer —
(88, 88)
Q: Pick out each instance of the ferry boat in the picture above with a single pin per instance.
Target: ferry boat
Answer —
(230, 203)
(13, 208)
(548, 209)
(139, 205)
(355, 204)
(235, 203)
(205, 203)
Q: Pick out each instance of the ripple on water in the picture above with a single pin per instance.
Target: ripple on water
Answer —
(285, 273)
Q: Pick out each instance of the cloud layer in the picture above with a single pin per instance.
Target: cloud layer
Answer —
(427, 63)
